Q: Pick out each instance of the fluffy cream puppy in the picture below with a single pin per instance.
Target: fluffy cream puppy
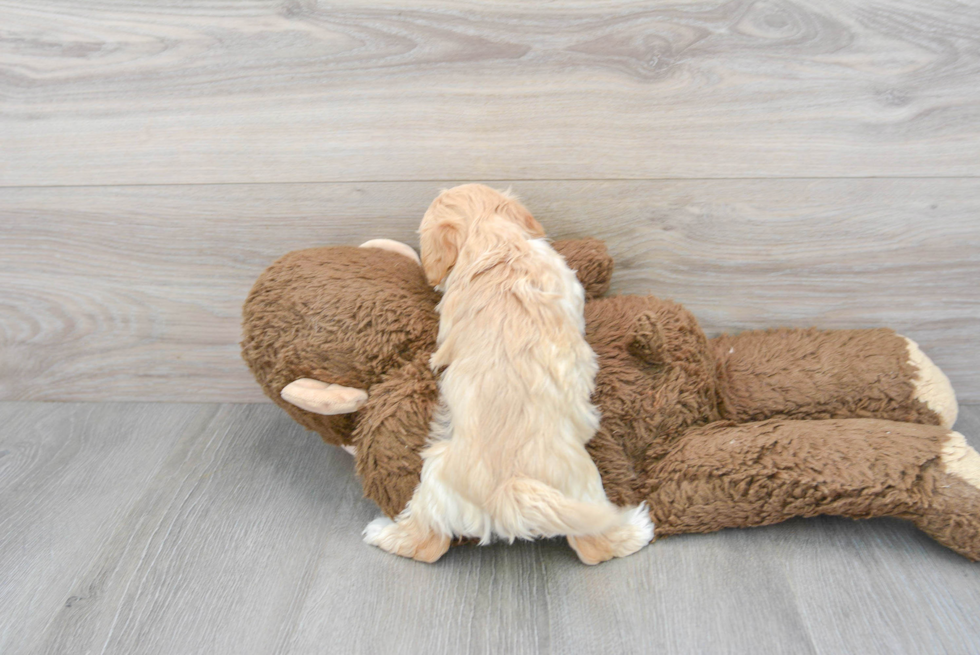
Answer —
(507, 456)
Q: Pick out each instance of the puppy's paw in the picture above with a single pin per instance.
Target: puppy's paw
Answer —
(635, 532)
(375, 529)
(406, 538)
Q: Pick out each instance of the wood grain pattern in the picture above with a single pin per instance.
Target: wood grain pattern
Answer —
(220, 551)
(228, 530)
(134, 293)
(156, 156)
(268, 91)
(68, 475)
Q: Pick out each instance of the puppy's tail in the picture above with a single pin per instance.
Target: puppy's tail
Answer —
(525, 508)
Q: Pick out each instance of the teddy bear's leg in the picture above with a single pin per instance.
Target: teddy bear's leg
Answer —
(725, 475)
(932, 387)
(950, 512)
(947, 497)
(818, 374)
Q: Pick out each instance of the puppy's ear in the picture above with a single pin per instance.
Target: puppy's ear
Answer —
(440, 241)
(515, 211)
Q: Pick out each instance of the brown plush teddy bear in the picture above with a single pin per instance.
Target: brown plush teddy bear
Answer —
(734, 431)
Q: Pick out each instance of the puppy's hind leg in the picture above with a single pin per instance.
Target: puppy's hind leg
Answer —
(413, 533)
(633, 533)
(409, 537)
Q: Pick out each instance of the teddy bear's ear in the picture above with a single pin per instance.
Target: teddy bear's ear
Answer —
(393, 246)
(647, 339)
(322, 398)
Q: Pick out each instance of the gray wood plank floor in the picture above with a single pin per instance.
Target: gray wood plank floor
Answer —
(181, 528)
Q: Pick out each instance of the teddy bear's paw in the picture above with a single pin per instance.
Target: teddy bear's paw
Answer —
(393, 246)
(950, 509)
(635, 532)
(932, 387)
(961, 460)
(322, 398)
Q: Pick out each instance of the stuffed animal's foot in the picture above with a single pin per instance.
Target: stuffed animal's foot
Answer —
(635, 532)
(932, 387)
(322, 398)
(961, 460)
(393, 246)
(952, 498)
(407, 538)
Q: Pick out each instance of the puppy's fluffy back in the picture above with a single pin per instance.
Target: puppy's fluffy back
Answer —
(519, 373)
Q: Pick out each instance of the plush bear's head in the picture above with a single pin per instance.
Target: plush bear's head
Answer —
(339, 315)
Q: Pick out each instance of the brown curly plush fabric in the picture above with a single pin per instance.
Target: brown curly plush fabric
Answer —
(735, 431)
(812, 374)
(727, 475)
(344, 315)
(653, 384)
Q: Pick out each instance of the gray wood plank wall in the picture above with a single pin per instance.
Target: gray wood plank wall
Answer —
(764, 163)
(133, 91)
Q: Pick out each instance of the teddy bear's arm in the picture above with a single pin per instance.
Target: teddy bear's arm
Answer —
(391, 433)
(591, 262)
(724, 476)
(815, 374)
